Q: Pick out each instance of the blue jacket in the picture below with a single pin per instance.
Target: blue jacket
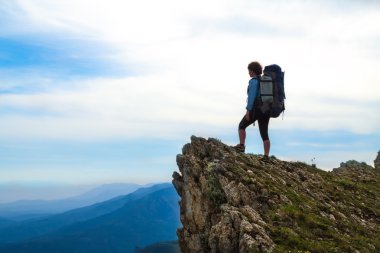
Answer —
(252, 93)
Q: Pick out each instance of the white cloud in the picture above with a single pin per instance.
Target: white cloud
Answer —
(193, 67)
(111, 108)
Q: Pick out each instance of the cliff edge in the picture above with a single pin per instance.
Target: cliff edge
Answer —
(377, 161)
(233, 202)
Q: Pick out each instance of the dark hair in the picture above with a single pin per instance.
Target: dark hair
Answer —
(255, 67)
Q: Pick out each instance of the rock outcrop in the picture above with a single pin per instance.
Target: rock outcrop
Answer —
(377, 161)
(234, 202)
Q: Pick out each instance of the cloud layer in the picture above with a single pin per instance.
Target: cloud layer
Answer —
(188, 65)
(93, 72)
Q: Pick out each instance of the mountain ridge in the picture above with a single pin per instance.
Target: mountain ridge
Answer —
(25, 209)
(234, 202)
(28, 229)
(149, 218)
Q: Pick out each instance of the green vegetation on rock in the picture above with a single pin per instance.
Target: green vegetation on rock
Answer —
(252, 206)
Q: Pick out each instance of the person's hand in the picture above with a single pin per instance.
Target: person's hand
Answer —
(247, 116)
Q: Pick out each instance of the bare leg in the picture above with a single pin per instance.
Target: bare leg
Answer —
(242, 136)
(266, 147)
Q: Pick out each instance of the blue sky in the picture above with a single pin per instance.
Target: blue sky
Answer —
(110, 91)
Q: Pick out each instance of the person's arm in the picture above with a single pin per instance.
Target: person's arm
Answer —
(252, 93)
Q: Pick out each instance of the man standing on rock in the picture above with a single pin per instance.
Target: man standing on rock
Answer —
(253, 113)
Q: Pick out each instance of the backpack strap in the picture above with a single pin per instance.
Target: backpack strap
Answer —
(258, 86)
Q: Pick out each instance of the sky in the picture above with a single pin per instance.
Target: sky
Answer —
(95, 91)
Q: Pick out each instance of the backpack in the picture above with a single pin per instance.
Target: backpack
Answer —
(271, 91)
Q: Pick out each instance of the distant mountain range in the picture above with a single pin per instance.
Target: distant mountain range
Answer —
(146, 216)
(27, 209)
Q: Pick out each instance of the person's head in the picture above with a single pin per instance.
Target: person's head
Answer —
(255, 69)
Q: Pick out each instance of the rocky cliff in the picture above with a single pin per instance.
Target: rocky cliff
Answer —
(377, 161)
(233, 202)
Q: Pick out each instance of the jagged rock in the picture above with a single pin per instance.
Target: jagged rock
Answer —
(377, 161)
(356, 171)
(233, 202)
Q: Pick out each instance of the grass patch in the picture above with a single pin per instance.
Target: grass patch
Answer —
(214, 190)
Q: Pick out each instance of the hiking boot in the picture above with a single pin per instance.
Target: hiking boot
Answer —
(240, 148)
(265, 159)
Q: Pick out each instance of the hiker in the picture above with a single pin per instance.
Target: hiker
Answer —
(253, 113)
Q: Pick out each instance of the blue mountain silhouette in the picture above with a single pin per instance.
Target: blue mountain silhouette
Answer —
(141, 218)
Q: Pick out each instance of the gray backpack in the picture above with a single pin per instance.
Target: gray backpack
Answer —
(271, 93)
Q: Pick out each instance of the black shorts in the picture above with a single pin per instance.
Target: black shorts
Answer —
(263, 123)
